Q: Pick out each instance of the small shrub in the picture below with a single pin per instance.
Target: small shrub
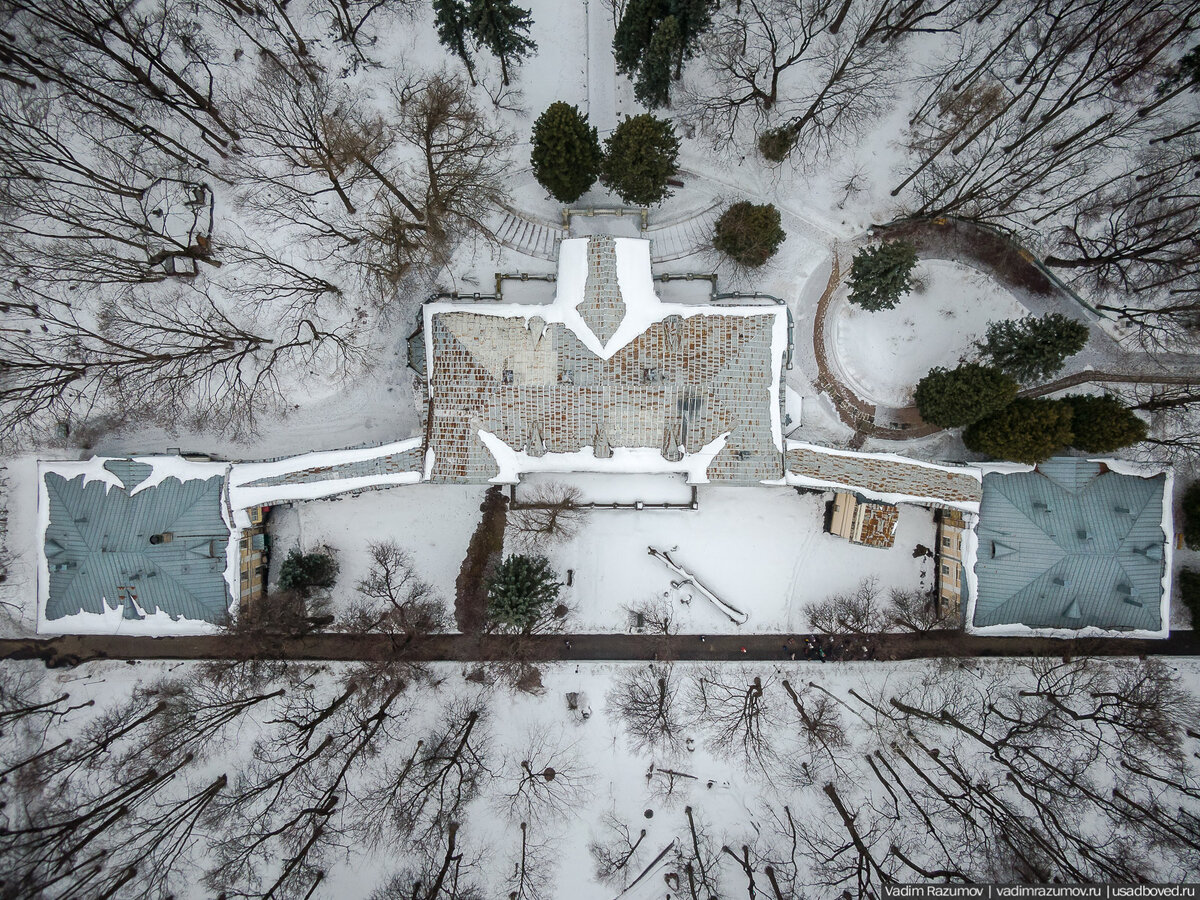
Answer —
(776, 143)
(749, 233)
(304, 572)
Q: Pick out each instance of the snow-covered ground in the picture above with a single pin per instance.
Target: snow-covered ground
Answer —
(434, 523)
(606, 778)
(761, 550)
(882, 355)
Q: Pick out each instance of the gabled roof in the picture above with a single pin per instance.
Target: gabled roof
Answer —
(1070, 545)
(607, 367)
(97, 549)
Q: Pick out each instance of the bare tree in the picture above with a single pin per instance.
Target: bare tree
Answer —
(736, 710)
(532, 866)
(648, 703)
(918, 611)
(548, 513)
(443, 871)
(618, 852)
(860, 611)
(545, 780)
(395, 599)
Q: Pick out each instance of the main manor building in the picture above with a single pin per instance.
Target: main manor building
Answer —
(607, 377)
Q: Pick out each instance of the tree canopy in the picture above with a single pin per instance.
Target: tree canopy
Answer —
(1032, 348)
(520, 590)
(653, 39)
(1103, 424)
(956, 397)
(566, 152)
(1025, 431)
(881, 275)
(303, 572)
(639, 158)
(749, 233)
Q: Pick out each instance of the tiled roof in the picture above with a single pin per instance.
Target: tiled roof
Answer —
(538, 385)
(883, 476)
(410, 460)
(1070, 545)
(879, 525)
(97, 545)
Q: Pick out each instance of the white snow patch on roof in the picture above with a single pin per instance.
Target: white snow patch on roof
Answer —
(624, 460)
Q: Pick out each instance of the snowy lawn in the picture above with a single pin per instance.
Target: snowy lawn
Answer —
(759, 549)
(433, 523)
(882, 355)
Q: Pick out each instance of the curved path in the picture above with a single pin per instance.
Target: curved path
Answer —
(1106, 360)
(76, 649)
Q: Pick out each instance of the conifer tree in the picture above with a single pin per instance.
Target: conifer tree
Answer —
(1032, 348)
(635, 31)
(566, 152)
(653, 84)
(502, 28)
(302, 572)
(1025, 431)
(956, 397)
(880, 276)
(749, 233)
(520, 590)
(1103, 424)
(451, 19)
(1191, 517)
(651, 50)
(639, 157)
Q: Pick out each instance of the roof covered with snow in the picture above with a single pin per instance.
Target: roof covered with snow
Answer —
(99, 517)
(606, 366)
(883, 476)
(1071, 544)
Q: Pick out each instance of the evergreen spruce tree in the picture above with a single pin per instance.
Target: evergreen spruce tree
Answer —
(880, 276)
(1189, 593)
(651, 54)
(520, 590)
(749, 233)
(1103, 424)
(639, 157)
(302, 572)
(1032, 348)
(566, 152)
(503, 28)
(1191, 517)
(635, 31)
(1025, 431)
(653, 84)
(956, 397)
(451, 18)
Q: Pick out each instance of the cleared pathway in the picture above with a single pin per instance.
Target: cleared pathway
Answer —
(76, 649)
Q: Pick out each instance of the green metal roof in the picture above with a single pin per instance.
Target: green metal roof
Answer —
(98, 548)
(1070, 545)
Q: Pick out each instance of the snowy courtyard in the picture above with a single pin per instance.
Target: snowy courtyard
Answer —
(882, 355)
(433, 523)
(761, 550)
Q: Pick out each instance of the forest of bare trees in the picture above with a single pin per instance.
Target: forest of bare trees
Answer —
(1073, 122)
(197, 209)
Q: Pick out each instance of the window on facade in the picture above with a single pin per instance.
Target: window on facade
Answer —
(945, 570)
(945, 542)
